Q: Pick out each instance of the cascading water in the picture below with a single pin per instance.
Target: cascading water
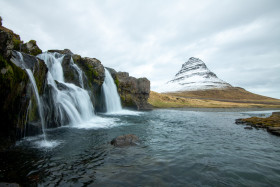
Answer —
(72, 103)
(112, 98)
(35, 89)
(79, 71)
(40, 107)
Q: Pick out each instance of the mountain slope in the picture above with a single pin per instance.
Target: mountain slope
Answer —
(194, 75)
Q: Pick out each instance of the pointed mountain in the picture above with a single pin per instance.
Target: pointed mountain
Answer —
(194, 75)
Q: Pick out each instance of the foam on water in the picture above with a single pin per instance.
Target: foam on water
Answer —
(124, 113)
(97, 123)
(47, 144)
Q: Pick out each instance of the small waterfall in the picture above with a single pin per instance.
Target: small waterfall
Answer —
(40, 107)
(72, 103)
(35, 89)
(112, 98)
(79, 71)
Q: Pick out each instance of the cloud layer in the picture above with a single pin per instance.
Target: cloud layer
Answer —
(238, 40)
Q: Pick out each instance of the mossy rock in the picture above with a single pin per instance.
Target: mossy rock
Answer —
(13, 105)
(31, 48)
(16, 43)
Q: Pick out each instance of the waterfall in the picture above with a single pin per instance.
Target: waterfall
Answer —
(38, 100)
(72, 103)
(79, 71)
(112, 98)
(40, 107)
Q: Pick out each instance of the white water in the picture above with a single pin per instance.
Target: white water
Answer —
(72, 103)
(40, 107)
(79, 71)
(112, 98)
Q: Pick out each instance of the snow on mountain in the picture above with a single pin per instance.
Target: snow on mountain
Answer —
(194, 75)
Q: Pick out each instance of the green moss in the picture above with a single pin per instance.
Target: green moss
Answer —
(33, 42)
(33, 110)
(95, 73)
(122, 98)
(117, 82)
(16, 43)
(36, 51)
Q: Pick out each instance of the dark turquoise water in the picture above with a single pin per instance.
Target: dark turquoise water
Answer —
(178, 148)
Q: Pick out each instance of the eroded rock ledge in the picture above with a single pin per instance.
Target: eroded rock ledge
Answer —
(271, 123)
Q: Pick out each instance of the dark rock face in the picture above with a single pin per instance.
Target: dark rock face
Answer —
(8, 41)
(64, 51)
(95, 74)
(13, 105)
(70, 74)
(134, 92)
(31, 48)
(15, 88)
(125, 140)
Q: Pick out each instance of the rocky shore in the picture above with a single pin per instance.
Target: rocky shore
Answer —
(271, 123)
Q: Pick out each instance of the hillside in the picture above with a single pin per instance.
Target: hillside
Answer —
(179, 100)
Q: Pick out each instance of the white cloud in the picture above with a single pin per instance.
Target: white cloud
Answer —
(238, 40)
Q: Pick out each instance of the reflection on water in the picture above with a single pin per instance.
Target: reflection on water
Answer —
(178, 147)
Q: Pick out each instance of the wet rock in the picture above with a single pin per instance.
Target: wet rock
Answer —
(249, 128)
(239, 121)
(125, 140)
(274, 130)
(271, 123)
(65, 51)
(134, 92)
(4, 184)
(8, 41)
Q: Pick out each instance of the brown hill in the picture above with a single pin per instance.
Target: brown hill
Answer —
(231, 94)
(217, 98)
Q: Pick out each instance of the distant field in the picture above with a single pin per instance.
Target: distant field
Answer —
(230, 98)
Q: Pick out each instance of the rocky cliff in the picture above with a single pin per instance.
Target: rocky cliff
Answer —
(194, 75)
(134, 92)
(15, 89)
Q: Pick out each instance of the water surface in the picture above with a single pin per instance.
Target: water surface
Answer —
(192, 147)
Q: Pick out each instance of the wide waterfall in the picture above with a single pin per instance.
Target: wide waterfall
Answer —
(112, 98)
(72, 103)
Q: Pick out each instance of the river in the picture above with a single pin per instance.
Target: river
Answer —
(178, 147)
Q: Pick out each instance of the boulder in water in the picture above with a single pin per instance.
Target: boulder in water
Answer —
(125, 140)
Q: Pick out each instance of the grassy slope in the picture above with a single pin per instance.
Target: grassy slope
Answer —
(215, 99)
(229, 94)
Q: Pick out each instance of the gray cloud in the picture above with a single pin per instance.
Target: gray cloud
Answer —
(238, 40)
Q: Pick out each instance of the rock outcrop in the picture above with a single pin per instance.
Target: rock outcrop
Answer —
(271, 123)
(8, 41)
(194, 75)
(16, 90)
(125, 140)
(134, 92)
(31, 48)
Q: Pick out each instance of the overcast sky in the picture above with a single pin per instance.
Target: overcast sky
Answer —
(239, 40)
